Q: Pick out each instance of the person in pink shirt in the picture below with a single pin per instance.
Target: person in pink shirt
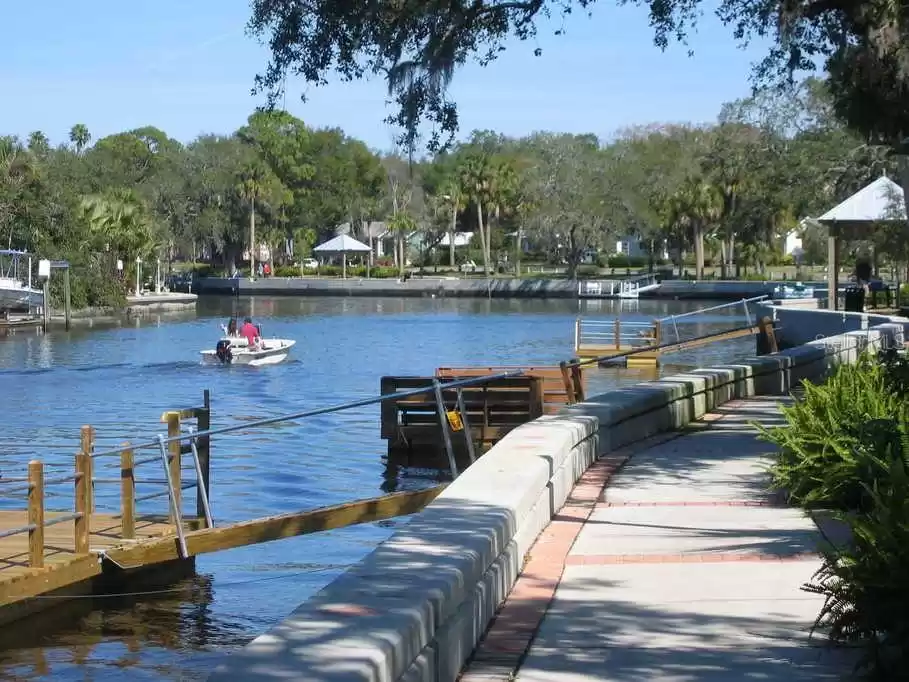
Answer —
(250, 331)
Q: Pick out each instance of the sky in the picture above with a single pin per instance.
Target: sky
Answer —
(188, 68)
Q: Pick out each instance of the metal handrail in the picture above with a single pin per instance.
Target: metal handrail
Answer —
(660, 346)
(715, 307)
(461, 383)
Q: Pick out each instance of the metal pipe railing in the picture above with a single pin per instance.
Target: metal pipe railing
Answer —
(656, 347)
(461, 383)
(715, 307)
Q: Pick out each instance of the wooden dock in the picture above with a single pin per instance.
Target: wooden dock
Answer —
(485, 413)
(49, 555)
(642, 344)
(613, 337)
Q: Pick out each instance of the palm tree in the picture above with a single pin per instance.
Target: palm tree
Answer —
(118, 224)
(251, 189)
(79, 136)
(474, 178)
(704, 204)
(16, 168)
(454, 194)
(38, 143)
(402, 224)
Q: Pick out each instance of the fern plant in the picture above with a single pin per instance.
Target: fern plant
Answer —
(830, 445)
(865, 585)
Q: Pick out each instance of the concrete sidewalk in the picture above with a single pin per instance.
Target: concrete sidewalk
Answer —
(684, 568)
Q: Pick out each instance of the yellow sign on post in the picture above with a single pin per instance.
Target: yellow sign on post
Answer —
(454, 420)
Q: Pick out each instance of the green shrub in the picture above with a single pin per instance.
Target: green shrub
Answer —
(287, 271)
(620, 260)
(866, 594)
(827, 457)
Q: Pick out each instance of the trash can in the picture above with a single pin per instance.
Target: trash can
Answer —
(855, 300)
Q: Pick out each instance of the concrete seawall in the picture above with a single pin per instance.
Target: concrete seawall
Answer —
(414, 608)
(798, 326)
(467, 288)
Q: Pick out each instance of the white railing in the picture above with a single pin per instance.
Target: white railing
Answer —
(616, 288)
(616, 334)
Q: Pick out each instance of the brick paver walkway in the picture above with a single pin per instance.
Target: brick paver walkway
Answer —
(669, 562)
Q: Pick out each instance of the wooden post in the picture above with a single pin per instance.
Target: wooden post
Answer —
(82, 525)
(203, 447)
(46, 309)
(127, 493)
(833, 267)
(566, 379)
(173, 430)
(536, 398)
(657, 332)
(577, 376)
(87, 447)
(768, 335)
(36, 514)
(618, 334)
(67, 297)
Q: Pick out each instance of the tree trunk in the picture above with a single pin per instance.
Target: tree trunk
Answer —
(573, 256)
(451, 234)
(482, 235)
(698, 250)
(252, 237)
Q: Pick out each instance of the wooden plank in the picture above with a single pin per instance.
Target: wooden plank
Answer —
(40, 580)
(697, 343)
(275, 528)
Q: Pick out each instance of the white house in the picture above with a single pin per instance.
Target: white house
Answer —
(792, 241)
(634, 247)
(460, 239)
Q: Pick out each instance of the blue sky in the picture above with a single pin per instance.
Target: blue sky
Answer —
(188, 68)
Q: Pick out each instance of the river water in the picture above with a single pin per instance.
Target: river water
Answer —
(121, 378)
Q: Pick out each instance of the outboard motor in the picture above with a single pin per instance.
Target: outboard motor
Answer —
(222, 350)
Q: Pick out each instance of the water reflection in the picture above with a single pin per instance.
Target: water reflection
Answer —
(120, 375)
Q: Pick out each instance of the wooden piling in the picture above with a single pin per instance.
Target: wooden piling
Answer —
(82, 523)
(203, 447)
(570, 390)
(173, 431)
(127, 493)
(768, 335)
(578, 381)
(87, 447)
(36, 514)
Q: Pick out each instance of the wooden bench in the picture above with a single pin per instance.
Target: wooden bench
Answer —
(492, 409)
(555, 392)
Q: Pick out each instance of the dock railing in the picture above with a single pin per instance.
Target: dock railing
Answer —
(615, 333)
(616, 288)
(169, 448)
(671, 321)
(36, 485)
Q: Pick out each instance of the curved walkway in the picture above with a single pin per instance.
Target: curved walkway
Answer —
(669, 562)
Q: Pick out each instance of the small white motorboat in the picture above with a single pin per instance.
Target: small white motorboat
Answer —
(235, 350)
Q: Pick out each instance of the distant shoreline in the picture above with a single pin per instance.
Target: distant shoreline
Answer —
(440, 287)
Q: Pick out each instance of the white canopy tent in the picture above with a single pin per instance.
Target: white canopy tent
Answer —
(880, 202)
(342, 244)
